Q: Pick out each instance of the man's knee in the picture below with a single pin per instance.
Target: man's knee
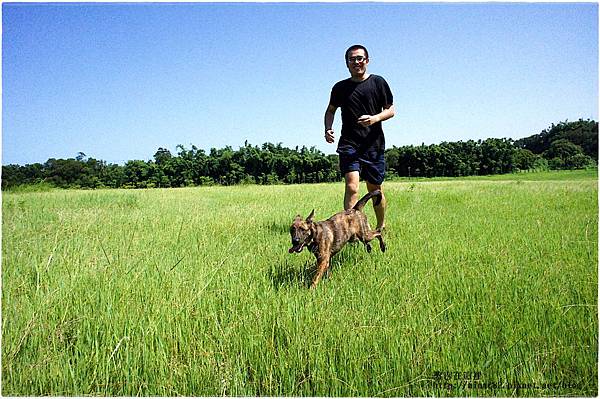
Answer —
(352, 188)
(352, 183)
(372, 187)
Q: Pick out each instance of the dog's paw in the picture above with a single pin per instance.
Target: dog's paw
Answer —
(368, 246)
(382, 246)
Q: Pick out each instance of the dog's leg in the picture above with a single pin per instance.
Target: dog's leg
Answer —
(381, 243)
(371, 235)
(380, 238)
(322, 265)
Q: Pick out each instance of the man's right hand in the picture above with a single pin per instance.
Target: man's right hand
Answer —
(329, 136)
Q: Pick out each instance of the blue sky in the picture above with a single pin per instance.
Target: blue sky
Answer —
(118, 81)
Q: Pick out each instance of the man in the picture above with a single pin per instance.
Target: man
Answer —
(366, 100)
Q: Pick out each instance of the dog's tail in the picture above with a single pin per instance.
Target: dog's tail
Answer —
(361, 202)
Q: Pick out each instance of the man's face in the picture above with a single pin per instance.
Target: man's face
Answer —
(357, 62)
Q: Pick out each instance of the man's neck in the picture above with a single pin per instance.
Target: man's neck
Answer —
(360, 78)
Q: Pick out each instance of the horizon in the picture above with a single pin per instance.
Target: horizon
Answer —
(118, 81)
(207, 151)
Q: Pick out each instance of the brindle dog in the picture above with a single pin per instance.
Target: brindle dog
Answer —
(325, 239)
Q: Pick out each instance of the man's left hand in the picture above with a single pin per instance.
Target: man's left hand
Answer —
(367, 120)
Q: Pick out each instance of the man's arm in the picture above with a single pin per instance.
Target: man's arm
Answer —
(387, 113)
(329, 117)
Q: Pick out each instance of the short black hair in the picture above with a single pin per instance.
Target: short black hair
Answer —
(357, 47)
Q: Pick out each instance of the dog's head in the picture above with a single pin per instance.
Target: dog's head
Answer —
(301, 232)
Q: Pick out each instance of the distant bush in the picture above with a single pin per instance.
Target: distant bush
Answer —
(32, 188)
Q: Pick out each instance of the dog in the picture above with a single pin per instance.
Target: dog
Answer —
(326, 238)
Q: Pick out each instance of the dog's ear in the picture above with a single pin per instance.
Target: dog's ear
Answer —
(310, 217)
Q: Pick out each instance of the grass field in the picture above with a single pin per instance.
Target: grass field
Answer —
(488, 288)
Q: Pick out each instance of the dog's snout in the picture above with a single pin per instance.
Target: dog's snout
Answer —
(295, 240)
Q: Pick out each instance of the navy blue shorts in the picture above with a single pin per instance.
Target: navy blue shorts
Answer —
(371, 165)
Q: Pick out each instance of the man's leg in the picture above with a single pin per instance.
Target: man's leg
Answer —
(379, 209)
(352, 185)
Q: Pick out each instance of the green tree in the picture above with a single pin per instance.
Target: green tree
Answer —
(523, 159)
(583, 133)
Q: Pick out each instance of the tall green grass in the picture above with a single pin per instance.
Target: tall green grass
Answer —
(192, 292)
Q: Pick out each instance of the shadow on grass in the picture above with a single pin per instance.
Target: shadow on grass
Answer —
(279, 227)
(288, 275)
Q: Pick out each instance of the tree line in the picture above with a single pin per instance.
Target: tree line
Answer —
(568, 145)
(268, 164)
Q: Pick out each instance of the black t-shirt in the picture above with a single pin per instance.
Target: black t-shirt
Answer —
(356, 99)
